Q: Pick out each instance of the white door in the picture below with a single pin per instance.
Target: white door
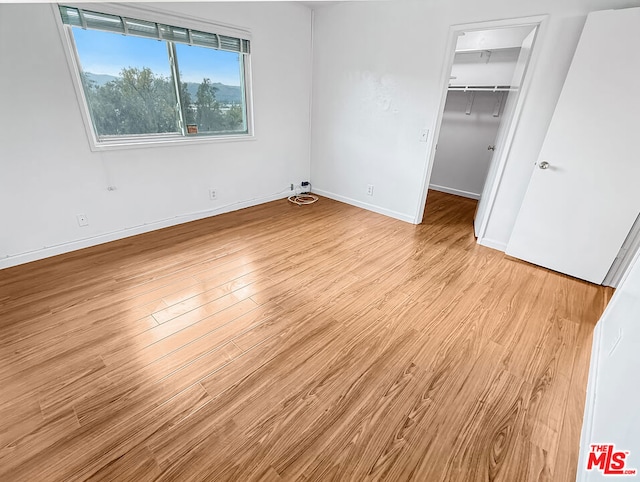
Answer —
(584, 193)
(506, 126)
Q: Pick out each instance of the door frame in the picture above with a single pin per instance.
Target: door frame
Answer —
(490, 190)
(627, 254)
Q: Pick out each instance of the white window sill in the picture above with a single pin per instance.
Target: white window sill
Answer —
(141, 143)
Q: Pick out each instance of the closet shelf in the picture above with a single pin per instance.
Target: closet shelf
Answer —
(482, 88)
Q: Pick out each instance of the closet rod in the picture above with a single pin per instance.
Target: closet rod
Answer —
(482, 88)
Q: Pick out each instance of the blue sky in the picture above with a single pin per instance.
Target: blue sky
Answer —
(108, 53)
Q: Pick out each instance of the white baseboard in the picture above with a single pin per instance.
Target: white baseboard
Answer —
(367, 206)
(457, 192)
(48, 251)
(493, 244)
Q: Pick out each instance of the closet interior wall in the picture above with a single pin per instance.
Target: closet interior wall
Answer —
(471, 120)
(462, 159)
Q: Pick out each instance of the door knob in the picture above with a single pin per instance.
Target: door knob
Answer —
(491, 148)
(544, 165)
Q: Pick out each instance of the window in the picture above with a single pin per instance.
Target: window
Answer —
(150, 82)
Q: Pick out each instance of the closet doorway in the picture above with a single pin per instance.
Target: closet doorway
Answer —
(483, 96)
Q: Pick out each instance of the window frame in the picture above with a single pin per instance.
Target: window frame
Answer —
(150, 140)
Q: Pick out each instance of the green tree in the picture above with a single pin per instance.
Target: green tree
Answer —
(235, 118)
(141, 102)
(187, 103)
(138, 102)
(208, 115)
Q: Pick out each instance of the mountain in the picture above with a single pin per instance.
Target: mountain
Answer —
(100, 79)
(226, 94)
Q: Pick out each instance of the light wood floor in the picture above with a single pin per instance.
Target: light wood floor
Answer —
(281, 342)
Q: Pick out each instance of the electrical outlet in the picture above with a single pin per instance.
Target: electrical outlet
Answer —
(369, 189)
(82, 220)
(292, 186)
(212, 194)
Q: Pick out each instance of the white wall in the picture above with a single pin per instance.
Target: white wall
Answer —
(377, 71)
(462, 159)
(611, 411)
(48, 173)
